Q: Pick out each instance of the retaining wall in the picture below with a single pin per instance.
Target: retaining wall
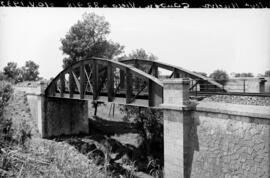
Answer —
(229, 140)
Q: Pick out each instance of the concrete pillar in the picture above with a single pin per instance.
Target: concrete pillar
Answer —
(40, 115)
(42, 86)
(177, 111)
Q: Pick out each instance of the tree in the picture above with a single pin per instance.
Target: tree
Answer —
(87, 38)
(2, 76)
(220, 76)
(142, 54)
(267, 73)
(148, 123)
(249, 74)
(30, 71)
(12, 72)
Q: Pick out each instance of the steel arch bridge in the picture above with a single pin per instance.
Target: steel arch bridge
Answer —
(151, 67)
(106, 80)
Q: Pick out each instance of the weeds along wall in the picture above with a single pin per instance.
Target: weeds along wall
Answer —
(229, 140)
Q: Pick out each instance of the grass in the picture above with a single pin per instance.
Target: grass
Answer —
(24, 154)
(46, 158)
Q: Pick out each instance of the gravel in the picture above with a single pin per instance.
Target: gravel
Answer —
(246, 100)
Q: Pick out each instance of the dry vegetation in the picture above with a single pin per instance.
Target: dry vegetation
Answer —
(24, 154)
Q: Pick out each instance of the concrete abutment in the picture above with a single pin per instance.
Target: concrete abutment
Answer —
(65, 117)
(58, 116)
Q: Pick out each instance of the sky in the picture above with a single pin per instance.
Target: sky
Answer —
(234, 40)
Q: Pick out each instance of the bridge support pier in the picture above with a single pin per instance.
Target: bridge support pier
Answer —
(178, 121)
(60, 116)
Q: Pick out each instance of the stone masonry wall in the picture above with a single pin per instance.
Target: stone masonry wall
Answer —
(228, 144)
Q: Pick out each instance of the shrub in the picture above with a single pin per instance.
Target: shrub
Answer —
(267, 73)
(220, 76)
(155, 169)
(148, 124)
(16, 132)
(5, 123)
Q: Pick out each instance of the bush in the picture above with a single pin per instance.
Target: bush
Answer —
(267, 73)
(6, 91)
(11, 132)
(220, 76)
(148, 123)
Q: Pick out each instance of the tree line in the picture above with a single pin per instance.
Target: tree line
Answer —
(222, 76)
(15, 74)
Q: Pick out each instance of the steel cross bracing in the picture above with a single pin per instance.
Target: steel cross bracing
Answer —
(106, 80)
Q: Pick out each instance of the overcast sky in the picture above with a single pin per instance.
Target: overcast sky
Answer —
(235, 40)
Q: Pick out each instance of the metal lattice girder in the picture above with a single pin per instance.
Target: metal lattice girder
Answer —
(100, 74)
(177, 72)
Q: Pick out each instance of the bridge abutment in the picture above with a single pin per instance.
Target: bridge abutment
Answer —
(178, 120)
(59, 116)
(65, 117)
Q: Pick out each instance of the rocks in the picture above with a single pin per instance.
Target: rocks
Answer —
(246, 100)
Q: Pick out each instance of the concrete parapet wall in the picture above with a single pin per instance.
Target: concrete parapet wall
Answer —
(229, 140)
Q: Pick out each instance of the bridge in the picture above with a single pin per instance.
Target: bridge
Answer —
(190, 132)
(134, 81)
(63, 108)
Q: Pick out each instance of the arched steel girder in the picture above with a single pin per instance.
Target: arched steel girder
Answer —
(106, 80)
(177, 72)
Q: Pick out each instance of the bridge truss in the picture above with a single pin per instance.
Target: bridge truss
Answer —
(197, 80)
(106, 80)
